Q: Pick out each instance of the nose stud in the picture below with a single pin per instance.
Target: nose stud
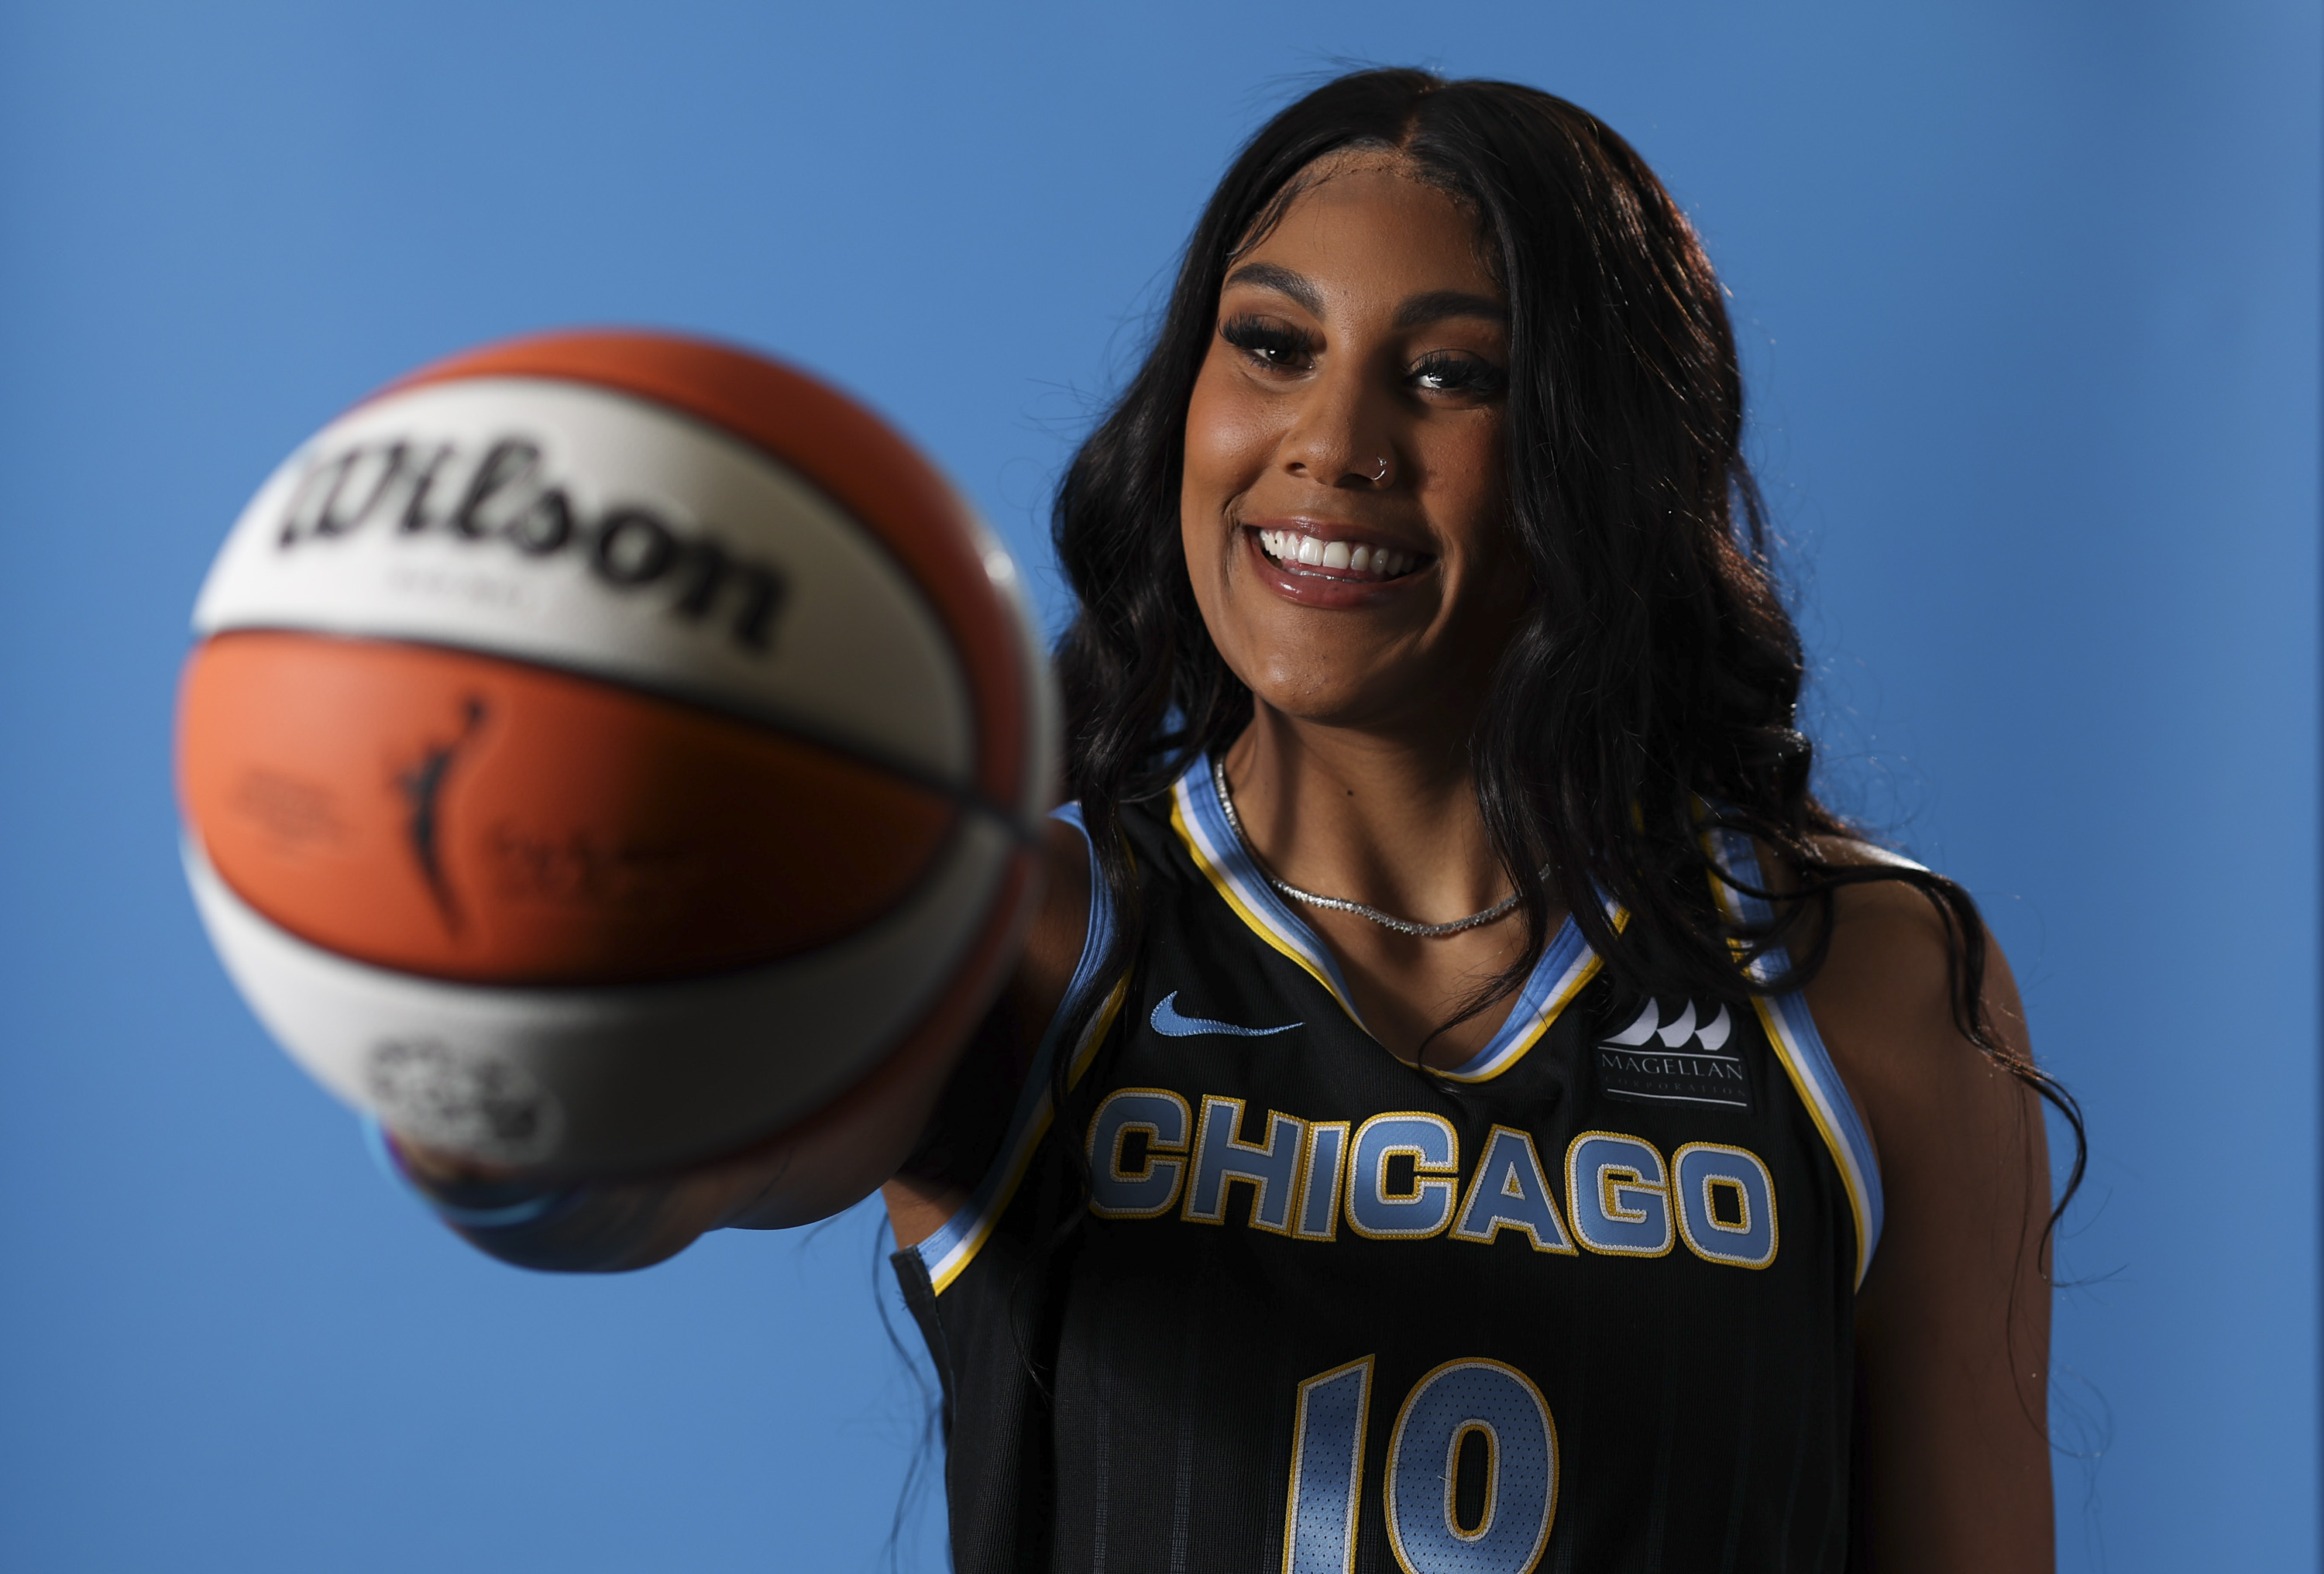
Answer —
(1381, 473)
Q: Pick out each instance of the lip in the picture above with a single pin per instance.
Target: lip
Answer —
(1318, 588)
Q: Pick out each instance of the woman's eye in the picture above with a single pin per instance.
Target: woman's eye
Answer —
(1453, 372)
(1273, 345)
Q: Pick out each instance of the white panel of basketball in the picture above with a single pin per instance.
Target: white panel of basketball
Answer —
(734, 1056)
(652, 512)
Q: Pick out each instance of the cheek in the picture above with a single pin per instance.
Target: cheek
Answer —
(1475, 468)
(1229, 438)
(1215, 471)
(1469, 480)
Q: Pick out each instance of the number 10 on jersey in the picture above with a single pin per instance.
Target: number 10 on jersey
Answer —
(1426, 1528)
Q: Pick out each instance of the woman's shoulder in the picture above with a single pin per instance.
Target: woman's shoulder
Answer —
(1060, 927)
(1884, 923)
(1886, 999)
(1890, 936)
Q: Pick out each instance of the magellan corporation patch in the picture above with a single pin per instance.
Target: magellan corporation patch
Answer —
(1681, 1061)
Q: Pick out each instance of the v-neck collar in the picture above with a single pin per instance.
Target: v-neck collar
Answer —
(1566, 963)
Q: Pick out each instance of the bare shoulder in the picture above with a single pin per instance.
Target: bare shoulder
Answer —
(1883, 1003)
(1053, 948)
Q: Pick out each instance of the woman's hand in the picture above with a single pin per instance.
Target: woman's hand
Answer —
(807, 1172)
(602, 1225)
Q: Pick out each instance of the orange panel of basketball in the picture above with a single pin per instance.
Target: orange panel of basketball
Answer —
(467, 817)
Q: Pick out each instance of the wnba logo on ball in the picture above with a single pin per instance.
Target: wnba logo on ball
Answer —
(475, 1103)
(499, 493)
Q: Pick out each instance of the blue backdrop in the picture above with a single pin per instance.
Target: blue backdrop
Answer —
(2029, 295)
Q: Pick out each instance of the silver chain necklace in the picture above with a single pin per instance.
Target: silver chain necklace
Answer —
(1500, 909)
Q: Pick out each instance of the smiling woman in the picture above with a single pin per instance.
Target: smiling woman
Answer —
(1464, 1104)
(1352, 403)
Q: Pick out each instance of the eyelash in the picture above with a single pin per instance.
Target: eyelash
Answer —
(1460, 374)
(1278, 347)
(1263, 341)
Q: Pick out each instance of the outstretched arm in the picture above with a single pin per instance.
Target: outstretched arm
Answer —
(811, 1170)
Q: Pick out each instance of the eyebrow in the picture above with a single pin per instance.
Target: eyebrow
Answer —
(1282, 280)
(1440, 304)
(1434, 306)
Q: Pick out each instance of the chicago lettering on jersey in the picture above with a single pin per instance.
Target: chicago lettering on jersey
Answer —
(502, 494)
(1400, 1175)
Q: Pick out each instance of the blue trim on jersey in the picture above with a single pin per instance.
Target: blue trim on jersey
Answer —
(1099, 934)
(1565, 965)
(1228, 862)
(957, 1240)
(1792, 1030)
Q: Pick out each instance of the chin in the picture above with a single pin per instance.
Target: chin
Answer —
(1326, 693)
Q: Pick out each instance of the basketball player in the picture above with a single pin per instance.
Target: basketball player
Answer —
(1464, 1105)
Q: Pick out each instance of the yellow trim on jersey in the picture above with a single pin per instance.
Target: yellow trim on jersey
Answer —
(1797, 1066)
(1307, 950)
(1224, 885)
(1577, 977)
(955, 1260)
(1811, 1094)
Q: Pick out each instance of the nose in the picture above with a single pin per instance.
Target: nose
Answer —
(1344, 434)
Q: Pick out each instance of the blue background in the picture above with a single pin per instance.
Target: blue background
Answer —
(2029, 298)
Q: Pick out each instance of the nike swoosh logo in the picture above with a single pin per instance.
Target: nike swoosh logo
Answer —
(1167, 1020)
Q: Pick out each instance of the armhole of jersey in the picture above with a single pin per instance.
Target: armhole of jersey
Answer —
(957, 1240)
(1791, 1029)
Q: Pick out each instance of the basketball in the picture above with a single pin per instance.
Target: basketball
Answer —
(601, 749)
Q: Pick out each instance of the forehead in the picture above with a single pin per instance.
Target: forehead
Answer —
(1365, 220)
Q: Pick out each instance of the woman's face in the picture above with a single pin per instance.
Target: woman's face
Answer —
(1342, 504)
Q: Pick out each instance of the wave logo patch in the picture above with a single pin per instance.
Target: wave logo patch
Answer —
(1681, 1059)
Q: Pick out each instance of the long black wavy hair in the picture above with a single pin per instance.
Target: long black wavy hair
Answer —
(1650, 690)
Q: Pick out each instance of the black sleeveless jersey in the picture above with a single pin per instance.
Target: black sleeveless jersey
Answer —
(1583, 1302)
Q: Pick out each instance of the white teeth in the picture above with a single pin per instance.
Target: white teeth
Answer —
(1291, 547)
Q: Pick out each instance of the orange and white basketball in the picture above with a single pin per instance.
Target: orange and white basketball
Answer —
(602, 748)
